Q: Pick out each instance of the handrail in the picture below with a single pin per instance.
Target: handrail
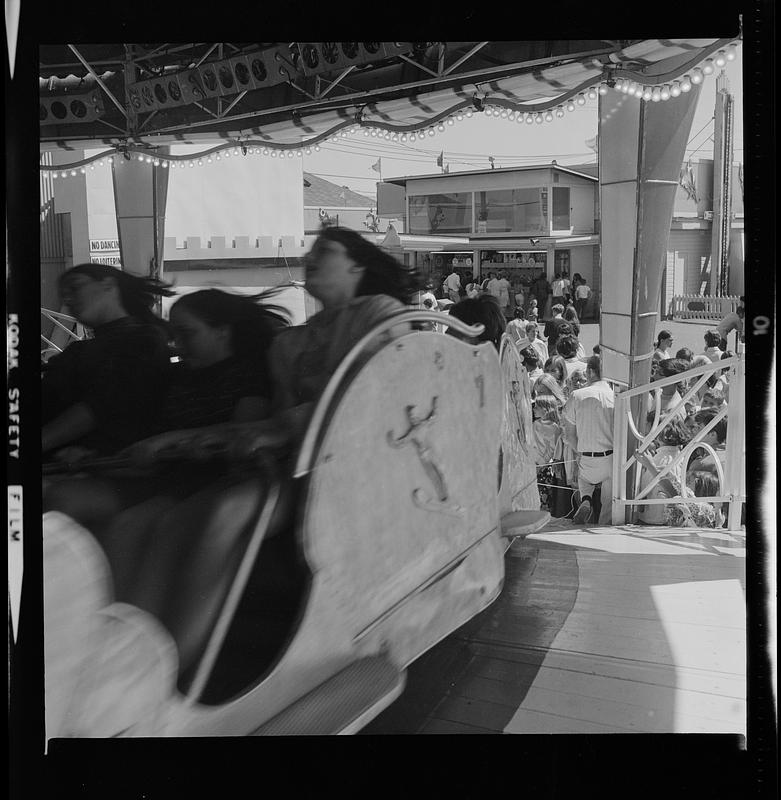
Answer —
(324, 403)
(725, 363)
(730, 477)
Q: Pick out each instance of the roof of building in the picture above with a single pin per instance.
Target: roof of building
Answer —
(588, 171)
(320, 193)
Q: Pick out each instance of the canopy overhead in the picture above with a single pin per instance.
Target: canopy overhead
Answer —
(145, 96)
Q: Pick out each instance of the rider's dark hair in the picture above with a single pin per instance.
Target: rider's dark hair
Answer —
(137, 294)
(383, 274)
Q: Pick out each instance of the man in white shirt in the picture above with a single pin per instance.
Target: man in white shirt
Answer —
(582, 294)
(493, 287)
(557, 287)
(587, 421)
(453, 285)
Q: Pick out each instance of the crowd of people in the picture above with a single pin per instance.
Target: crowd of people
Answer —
(535, 300)
(240, 366)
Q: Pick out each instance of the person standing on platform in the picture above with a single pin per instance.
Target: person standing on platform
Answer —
(664, 341)
(453, 285)
(557, 287)
(588, 427)
(552, 326)
(516, 328)
(504, 294)
(539, 291)
(533, 334)
(712, 349)
(733, 322)
(582, 294)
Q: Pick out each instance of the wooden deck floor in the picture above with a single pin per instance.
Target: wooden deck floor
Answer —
(597, 630)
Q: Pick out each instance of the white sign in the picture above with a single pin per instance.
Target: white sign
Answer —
(101, 245)
(113, 261)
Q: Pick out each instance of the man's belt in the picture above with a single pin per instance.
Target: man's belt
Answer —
(597, 455)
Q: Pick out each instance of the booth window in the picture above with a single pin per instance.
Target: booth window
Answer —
(561, 219)
(440, 213)
(512, 210)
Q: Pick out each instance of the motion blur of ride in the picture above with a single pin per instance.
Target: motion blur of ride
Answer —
(389, 536)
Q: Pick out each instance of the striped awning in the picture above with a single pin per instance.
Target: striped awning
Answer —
(650, 62)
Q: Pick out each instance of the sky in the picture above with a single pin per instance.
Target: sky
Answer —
(468, 143)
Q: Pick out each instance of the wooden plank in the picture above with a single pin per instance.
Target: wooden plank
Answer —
(625, 716)
(700, 701)
(528, 721)
(480, 713)
(448, 726)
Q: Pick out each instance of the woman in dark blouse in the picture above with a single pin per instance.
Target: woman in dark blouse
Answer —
(99, 393)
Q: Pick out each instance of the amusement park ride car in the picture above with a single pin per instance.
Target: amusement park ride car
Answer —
(416, 468)
(413, 476)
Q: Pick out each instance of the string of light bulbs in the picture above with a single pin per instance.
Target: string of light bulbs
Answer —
(626, 82)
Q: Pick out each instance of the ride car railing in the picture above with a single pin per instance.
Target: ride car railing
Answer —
(632, 448)
(74, 332)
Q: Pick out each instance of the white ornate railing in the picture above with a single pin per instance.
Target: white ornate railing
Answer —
(631, 446)
(705, 307)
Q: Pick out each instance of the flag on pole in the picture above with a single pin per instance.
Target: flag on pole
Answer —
(378, 166)
(446, 169)
(441, 158)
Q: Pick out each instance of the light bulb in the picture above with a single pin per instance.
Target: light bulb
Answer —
(218, 156)
(148, 160)
(55, 174)
(732, 52)
(265, 151)
(343, 134)
(227, 154)
(299, 153)
(559, 111)
(495, 112)
(697, 75)
(638, 92)
(503, 112)
(273, 153)
(110, 159)
(686, 84)
(656, 94)
(209, 160)
(191, 164)
(721, 59)
(548, 116)
(602, 89)
(403, 137)
(530, 119)
(665, 92)
(459, 116)
(469, 112)
(387, 134)
(92, 166)
(290, 154)
(156, 162)
(101, 163)
(165, 164)
(308, 151)
(83, 171)
(647, 94)
(707, 67)
(440, 127)
(373, 132)
(235, 151)
(592, 93)
(431, 131)
(538, 119)
(675, 89)
(412, 137)
(581, 101)
(366, 133)
(570, 106)
(140, 158)
(450, 121)
(317, 148)
(200, 162)
(395, 137)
